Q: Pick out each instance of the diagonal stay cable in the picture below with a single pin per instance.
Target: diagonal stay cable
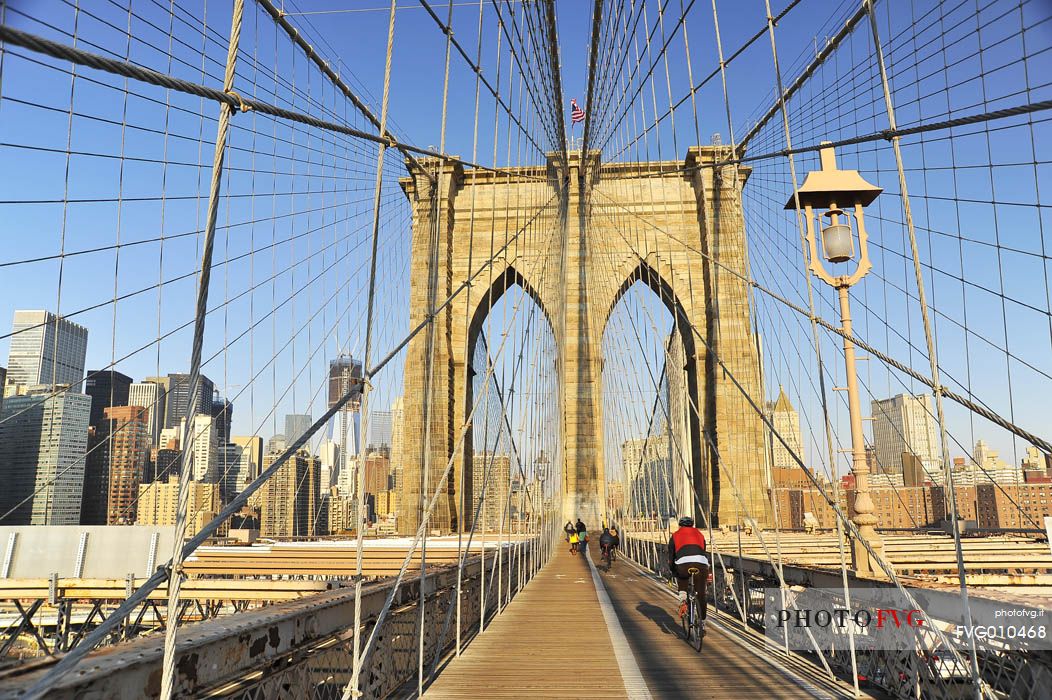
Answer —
(54, 49)
(70, 660)
(883, 357)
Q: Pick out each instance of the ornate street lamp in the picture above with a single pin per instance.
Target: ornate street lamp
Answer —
(828, 189)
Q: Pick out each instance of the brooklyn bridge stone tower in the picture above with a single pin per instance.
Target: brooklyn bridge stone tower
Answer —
(674, 225)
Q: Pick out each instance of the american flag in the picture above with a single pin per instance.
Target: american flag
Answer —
(576, 113)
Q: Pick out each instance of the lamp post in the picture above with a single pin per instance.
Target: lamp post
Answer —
(541, 468)
(827, 189)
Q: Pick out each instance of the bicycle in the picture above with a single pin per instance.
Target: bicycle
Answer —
(608, 556)
(691, 621)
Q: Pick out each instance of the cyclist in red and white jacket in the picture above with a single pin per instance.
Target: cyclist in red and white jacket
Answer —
(686, 551)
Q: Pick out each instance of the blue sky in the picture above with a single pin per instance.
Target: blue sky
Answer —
(295, 218)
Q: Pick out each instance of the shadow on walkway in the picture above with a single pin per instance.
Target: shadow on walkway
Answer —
(659, 616)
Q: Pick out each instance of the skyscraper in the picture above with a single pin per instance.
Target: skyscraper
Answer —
(149, 395)
(397, 441)
(649, 471)
(329, 454)
(986, 457)
(346, 434)
(44, 439)
(345, 375)
(277, 444)
(93, 507)
(680, 417)
(106, 387)
(239, 462)
(205, 448)
(379, 429)
(171, 438)
(1034, 460)
(164, 462)
(497, 487)
(129, 447)
(347, 476)
(786, 422)
(223, 415)
(159, 502)
(229, 468)
(253, 446)
(289, 499)
(905, 424)
(296, 424)
(377, 472)
(178, 399)
(46, 349)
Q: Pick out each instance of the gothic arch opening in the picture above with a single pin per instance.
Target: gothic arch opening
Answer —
(510, 367)
(654, 445)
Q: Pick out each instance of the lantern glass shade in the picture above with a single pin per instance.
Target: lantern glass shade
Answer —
(838, 244)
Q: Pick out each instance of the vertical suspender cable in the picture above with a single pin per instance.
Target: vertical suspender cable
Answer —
(437, 222)
(738, 195)
(821, 371)
(811, 308)
(175, 574)
(461, 505)
(367, 354)
(933, 359)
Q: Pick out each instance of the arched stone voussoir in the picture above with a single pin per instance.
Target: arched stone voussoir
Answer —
(505, 276)
(671, 286)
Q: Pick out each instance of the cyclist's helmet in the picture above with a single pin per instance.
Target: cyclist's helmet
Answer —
(686, 521)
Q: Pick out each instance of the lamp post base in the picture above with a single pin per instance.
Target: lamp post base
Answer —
(862, 562)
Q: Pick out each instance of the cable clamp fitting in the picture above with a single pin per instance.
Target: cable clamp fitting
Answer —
(241, 106)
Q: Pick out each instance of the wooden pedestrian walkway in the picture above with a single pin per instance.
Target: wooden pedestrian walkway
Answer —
(550, 642)
(555, 641)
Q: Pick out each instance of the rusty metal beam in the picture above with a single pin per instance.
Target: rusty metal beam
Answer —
(71, 589)
(220, 651)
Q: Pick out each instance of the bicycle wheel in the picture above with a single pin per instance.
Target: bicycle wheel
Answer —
(697, 638)
(685, 620)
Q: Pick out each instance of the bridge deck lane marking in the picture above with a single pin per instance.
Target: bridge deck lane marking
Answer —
(630, 675)
(672, 669)
(551, 642)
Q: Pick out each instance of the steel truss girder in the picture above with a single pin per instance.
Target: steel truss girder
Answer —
(220, 651)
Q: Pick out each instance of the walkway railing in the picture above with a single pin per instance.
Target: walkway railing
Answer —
(304, 648)
(742, 589)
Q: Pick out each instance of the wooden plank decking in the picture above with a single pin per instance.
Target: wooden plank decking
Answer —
(672, 669)
(552, 642)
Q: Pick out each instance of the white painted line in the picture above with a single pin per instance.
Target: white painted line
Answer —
(635, 686)
(785, 672)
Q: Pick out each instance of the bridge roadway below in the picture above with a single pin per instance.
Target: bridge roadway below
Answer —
(578, 631)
